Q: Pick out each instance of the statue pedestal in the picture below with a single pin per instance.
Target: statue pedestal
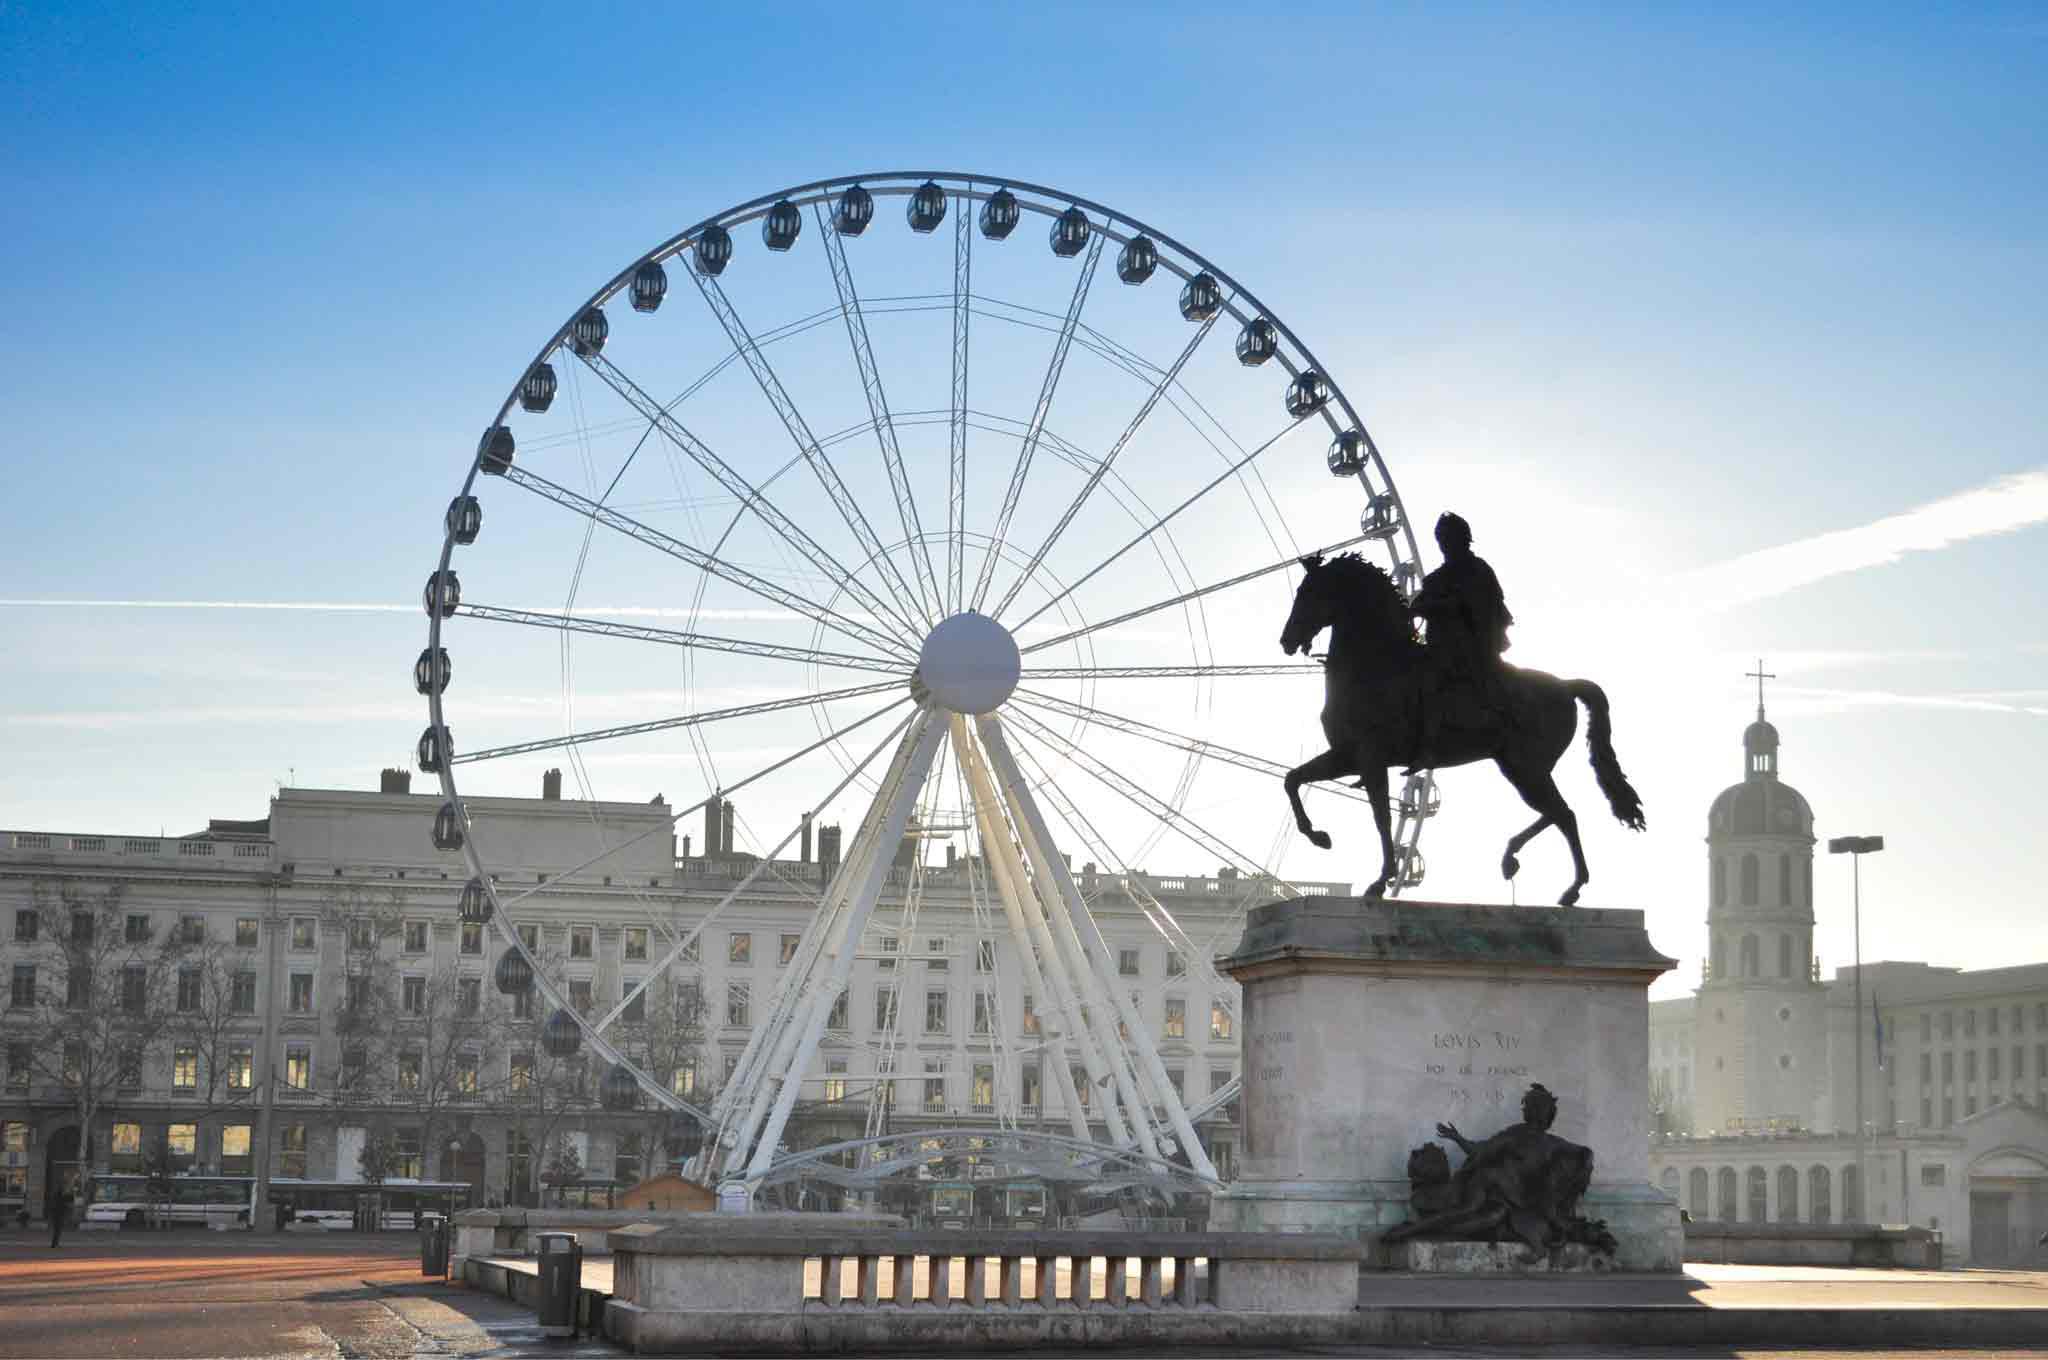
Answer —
(1364, 1024)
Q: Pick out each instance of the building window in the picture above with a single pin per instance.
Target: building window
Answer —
(81, 927)
(936, 948)
(636, 943)
(1178, 1080)
(467, 1068)
(889, 948)
(188, 990)
(739, 947)
(1749, 886)
(1176, 1018)
(1970, 1024)
(1720, 881)
(413, 995)
(355, 1065)
(935, 1012)
(1127, 962)
(302, 992)
(1991, 1020)
(241, 1069)
(243, 999)
(191, 929)
(126, 1148)
(415, 937)
(22, 994)
(628, 1159)
(19, 1061)
(362, 933)
(1220, 1026)
(128, 1072)
(409, 1064)
(136, 929)
(291, 1148)
(529, 935)
(298, 1066)
(245, 932)
(789, 947)
(982, 1089)
(684, 1079)
(134, 988)
(985, 956)
(235, 1142)
(1991, 1064)
(934, 1086)
(835, 1019)
(885, 1010)
(24, 931)
(1080, 1076)
(1031, 1094)
(580, 998)
(736, 1007)
(1784, 956)
(78, 986)
(472, 938)
(1969, 1064)
(303, 939)
(1751, 967)
(693, 949)
(405, 1145)
(984, 1022)
(1927, 1069)
(182, 1141)
(469, 995)
(1176, 963)
(1030, 1015)
(185, 1069)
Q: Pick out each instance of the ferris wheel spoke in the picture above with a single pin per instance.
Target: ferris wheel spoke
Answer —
(1171, 672)
(1159, 389)
(1162, 521)
(637, 632)
(1022, 468)
(956, 467)
(878, 407)
(1136, 793)
(1241, 578)
(685, 720)
(749, 496)
(729, 788)
(702, 560)
(807, 445)
(1178, 741)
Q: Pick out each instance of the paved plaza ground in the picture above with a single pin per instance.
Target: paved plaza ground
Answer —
(345, 1297)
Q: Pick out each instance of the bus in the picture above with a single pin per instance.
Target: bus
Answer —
(345, 1206)
(133, 1200)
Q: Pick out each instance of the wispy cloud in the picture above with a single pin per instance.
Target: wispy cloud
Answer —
(2001, 507)
(1816, 699)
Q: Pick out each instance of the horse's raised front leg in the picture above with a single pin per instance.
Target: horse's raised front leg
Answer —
(1331, 764)
(1509, 865)
(1539, 791)
(1374, 780)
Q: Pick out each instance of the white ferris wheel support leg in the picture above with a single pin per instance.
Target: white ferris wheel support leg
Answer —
(1141, 1040)
(1101, 997)
(1071, 998)
(814, 1005)
(744, 1101)
(1001, 856)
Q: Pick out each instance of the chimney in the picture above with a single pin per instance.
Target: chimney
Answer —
(952, 854)
(806, 859)
(725, 821)
(712, 811)
(395, 781)
(686, 847)
(551, 786)
(828, 852)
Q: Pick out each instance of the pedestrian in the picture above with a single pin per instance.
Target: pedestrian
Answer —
(60, 1209)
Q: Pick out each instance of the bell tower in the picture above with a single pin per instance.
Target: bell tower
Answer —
(1760, 1014)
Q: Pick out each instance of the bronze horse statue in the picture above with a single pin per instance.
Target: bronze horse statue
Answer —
(1376, 679)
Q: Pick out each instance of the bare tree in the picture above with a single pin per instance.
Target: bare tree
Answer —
(366, 1024)
(212, 1018)
(449, 1034)
(664, 1037)
(540, 1090)
(99, 994)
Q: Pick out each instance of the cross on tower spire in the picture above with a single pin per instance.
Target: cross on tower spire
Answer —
(1760, 675)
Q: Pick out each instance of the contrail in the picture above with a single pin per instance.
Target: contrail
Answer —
(2001, 507)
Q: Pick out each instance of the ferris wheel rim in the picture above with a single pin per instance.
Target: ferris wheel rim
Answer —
(1238, 302)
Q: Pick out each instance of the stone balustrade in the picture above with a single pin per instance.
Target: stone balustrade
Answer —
(756, 1284)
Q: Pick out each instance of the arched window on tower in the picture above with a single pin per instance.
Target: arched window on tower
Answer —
(1784, 880)
(1749, 877)
(1785, 955)
(1751, 967)
(1720, 874)
(1806, 880)
(1719, 969)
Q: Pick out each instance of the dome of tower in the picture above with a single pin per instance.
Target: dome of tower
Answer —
(1760, 807)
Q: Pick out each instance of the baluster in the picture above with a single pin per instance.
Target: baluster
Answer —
(906, 1281)
(1150, 1272)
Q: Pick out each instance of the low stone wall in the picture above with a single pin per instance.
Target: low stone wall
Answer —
(512, 1232)
(1812, 1244)
(753, 1287)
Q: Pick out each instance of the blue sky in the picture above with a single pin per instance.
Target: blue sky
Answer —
(1642, 292)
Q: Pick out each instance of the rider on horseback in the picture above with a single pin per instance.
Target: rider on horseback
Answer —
(1468, 620)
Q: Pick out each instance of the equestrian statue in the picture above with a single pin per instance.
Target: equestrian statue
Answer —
(1443, 699)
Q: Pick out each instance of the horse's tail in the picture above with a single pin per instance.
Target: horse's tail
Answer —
(1621, 795)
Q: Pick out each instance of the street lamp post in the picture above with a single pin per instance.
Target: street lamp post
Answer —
(1856, 847)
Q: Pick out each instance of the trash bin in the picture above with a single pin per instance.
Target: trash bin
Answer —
(561, 1282)
(434, 1245)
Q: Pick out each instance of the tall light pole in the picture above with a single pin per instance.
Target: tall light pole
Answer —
(1856, 847)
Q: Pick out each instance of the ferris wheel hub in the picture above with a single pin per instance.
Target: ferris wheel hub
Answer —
(970, 663)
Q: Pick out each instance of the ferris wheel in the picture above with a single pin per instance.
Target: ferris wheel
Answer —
(881, 498)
